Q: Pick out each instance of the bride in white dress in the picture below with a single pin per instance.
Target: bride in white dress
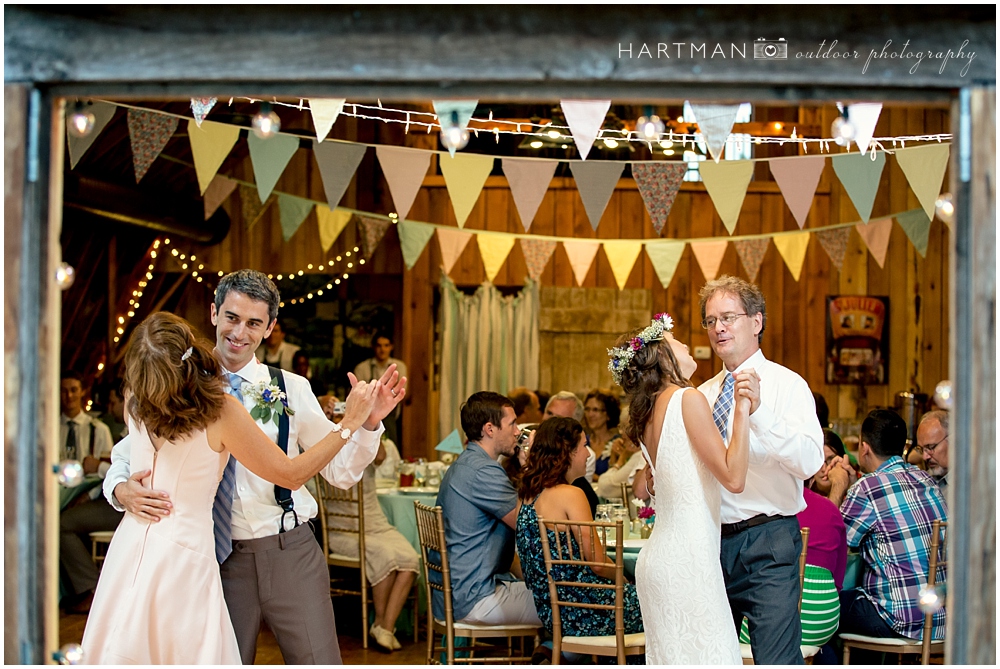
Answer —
(679, 580)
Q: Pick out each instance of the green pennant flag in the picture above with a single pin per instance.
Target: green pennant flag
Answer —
(269, 158)
(860, 175)
(293, 211)
(413, 237)
(917, 227)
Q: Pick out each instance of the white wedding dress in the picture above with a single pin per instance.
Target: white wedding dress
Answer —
(678, 576)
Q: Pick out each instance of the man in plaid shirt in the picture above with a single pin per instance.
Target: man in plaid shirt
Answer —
(888, 515)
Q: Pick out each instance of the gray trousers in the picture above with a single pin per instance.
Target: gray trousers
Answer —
(282, 580)
(75, 524)
(761, 568)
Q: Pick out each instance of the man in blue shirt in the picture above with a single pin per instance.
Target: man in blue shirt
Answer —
(479, 506)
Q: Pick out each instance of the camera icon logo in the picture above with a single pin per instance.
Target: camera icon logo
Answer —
(770, 49)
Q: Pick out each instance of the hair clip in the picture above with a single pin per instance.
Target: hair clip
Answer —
(187, 353)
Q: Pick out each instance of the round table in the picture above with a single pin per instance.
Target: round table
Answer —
(398, 509)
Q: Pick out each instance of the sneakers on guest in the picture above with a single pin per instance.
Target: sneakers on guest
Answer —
(384, 638)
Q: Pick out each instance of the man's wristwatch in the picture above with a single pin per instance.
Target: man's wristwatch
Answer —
(345, 433)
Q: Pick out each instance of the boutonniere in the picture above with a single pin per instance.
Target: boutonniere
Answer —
(269, 401)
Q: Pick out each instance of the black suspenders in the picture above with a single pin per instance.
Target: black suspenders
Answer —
(283, 496)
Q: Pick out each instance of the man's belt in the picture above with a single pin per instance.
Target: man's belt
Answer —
(729, 529)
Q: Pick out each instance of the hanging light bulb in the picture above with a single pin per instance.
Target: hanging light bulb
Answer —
(943, 396)
(81, 121)
(843, 131)
(71, 653)
(536, 144)
(453, 135)
(944, 207)
(266, 123)
(65, 275)
(69, 473)
(649, 127)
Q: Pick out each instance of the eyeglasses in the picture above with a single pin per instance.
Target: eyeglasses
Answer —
(727, 320)
(930, 447)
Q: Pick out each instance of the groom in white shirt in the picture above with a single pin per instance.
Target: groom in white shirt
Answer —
(760, 533)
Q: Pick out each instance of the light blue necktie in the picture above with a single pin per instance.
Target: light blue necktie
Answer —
(724, 405)
(222, 511)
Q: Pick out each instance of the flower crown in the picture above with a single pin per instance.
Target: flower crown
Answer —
(621, 356)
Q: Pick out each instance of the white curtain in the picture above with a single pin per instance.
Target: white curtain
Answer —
(488, 342)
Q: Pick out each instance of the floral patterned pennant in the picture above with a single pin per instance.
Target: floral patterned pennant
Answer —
(251, 206)
(658, 184)
(372, 231)
(200, 108)
(834, 242)
(537, 253)
(751, 253)
(149, 133)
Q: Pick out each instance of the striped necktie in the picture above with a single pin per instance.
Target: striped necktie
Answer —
(222, 510)
(724, 405)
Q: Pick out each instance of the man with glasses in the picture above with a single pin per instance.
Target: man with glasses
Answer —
(932, 440)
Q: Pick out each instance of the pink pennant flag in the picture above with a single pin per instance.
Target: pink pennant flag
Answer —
(149, 133)
(537, 253)
(218, 191)
(797, 178)
(452, 242)
(372, 231)
(658, 184)
(581, 257)
(834, 242)
(585, 118)
(876, 235)
(709, 256)
(751, 253)
(528, 180)
(200, 108)
(404, 170)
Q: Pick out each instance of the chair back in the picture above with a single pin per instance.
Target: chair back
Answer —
(627, 498)
(568, 550)
(353, 508)
(802, 563)
(938, 559)
(434, 554)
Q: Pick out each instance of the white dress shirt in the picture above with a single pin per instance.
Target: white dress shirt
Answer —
(609, 484)
(786, 442)
(255, 512)
(283, 358)
(101, 448)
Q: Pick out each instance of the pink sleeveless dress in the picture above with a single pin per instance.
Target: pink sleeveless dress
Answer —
(159, 599)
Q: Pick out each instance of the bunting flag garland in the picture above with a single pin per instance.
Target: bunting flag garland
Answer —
(372, 232)
(917, 227)
(200, 108)
(876, 237)
(293, 211)
(834, 242)
(537, 253)
(149, 133)
(413, 238)
(860, 176)
(210, 144)
(452, 242)
(864, 117)
(459, 111)
(217, 192)
(797, 179)
(658, 184)
(709, 256)
(665, 256)
(331, 222)
(528, 180)
(250, 206)
(494, 249)
(585, 118)
(77, 146)
(715, 122)
(465, 175)
(338, 161)
(324, 113)
(751, 253)
(793, 249)
(581, 256)
(404, 171)
(622, 254)
(727, 184)
(269, 158)
(595, 182)
(924, 167)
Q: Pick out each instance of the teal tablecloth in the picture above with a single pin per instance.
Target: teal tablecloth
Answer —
(399, 511)
(67, 495)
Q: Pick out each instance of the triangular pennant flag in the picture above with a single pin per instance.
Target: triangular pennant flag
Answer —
(149, 133)
(210, 144)
(413, 237)
(665, 255)
(917, 227)
(581, 257)
(528, 180)
(863, 117)
(465, 175)
(658, 184)
(621, 255)
(77, 146)
(331, 222)
(372, 231)
(324, 112)
(924, 167)
(457, 111)
(751, 253)
(537, 253)
(200, 108)
(596, 181)
(793, 249)
(585, 118)
(715, 122)
(860, 176)
(494, 249)
(250, 205)
(876, 237)
(709, 256)
(727, 183)
(451, 444)
(834, 242)
(293, 211)
(338, 161)
(404, 171)
(797, 179)
(217, 192)
(269, 158)
(452, 242)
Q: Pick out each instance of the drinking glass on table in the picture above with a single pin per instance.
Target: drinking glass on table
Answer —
(420, 473)
(621, 513)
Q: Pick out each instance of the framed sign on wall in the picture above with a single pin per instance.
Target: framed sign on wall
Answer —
(857, 339)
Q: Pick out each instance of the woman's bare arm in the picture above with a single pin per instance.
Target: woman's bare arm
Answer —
(728, 465)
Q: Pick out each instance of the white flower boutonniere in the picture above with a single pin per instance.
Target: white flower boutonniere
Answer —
(270, 402)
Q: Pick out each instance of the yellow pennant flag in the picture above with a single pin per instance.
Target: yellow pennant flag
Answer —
(494, 250)
(465, 175)
(793, 249)
(726, 183)
(621, 254)
(331, 223)
(210, 144)
(924, 167)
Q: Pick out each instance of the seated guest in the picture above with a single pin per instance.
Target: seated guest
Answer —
(479, 506)
(558, 456)
(568, 405)
(300, 365)
(822, 410)
(626, 460)
(387, 470)
(114, 416)
(932, 441)
(525, 406)
(275, 351)
(833, 448)
(888, 515)
(601, 410)
(543, 398)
